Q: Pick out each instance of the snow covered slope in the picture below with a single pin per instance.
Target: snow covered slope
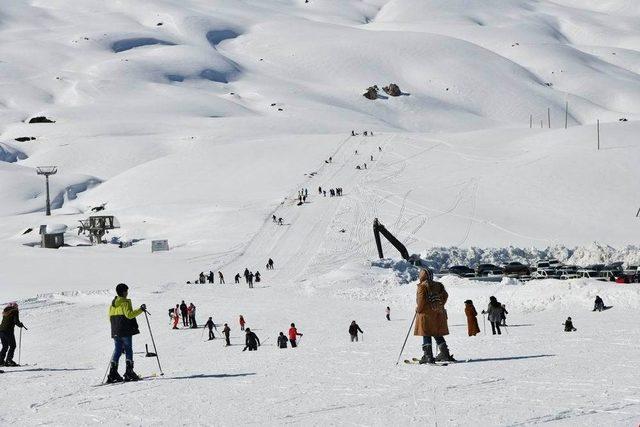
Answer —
(196, 121)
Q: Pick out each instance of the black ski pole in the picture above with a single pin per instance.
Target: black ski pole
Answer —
(155, 349)
(406, 338)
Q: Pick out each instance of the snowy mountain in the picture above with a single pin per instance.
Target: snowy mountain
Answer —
(196, 121)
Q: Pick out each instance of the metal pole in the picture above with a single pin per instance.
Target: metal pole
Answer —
(46, 177)
(549, 117)
(155, 349)
(406, 338)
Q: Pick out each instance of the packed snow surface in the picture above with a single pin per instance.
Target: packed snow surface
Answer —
(196, 121)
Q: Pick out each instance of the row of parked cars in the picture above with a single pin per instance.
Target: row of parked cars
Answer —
(552, 269)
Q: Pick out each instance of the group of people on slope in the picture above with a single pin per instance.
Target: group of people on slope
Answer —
(209, 278)
(186, 312)
(293, 337)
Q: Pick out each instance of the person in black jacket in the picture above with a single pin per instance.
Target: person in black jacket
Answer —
(211, 325)
(122, 317)
(184, 310)
(353, 331)
(10, 319)
(282, 340)
(568, 325)
(252, 342)
(226, 331)
(598, 305)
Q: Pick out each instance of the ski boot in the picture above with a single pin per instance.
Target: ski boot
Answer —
(427, 357)
(114, 376)
(10, 363)
(443, 354)
(129, 375)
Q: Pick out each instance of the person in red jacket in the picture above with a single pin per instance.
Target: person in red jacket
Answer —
(293, 335)
(242, 322)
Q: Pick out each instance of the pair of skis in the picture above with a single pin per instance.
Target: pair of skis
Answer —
(416, 361)
(145, 377)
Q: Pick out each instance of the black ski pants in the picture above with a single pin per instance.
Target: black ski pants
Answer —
(495, 326)
(185, 318)
(8, 345)
(226, 337)
(211, 336)
(294, 343)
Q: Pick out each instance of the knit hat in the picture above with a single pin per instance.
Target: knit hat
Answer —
(121, 289)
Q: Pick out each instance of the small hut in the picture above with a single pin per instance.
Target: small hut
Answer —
(52, 235)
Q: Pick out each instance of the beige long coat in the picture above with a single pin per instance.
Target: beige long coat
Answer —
(431, 316)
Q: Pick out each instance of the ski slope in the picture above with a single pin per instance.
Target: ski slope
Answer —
(196, 121)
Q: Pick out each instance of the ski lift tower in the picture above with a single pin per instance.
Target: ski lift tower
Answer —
(47, 171)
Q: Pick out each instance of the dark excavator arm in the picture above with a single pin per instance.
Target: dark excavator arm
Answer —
(380, 229)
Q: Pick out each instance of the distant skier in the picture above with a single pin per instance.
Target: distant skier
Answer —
(184, 311)
(472, 321)
(250, 279)
(246, 275)
(293, 335)
(282, 341)
(371, 158)
(431, 318)
(123, 326)
(192, 316)
(494, 311)
(273, 217)
(353, 133)
(252, 342)
(221, 277)
(10, 319)
(257, 276)
(202, 278)
(280, 221)
(242, 322)
(353, 331)
(226, 331)
(270, 264)
(568, 325)
(319, 190)
(176, 316)
(210, 325)
(379, 148)
(210, 277)
(598, 304)
(237, 278)
(503, 318)
(388, 311)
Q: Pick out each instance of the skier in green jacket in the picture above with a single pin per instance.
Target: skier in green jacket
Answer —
(123, 326)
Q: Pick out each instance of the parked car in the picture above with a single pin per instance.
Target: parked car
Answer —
(589, 274)
(517, 268)
(628, 278)
(461, 270)
(488, 269)
(609, 275)
(546, 273)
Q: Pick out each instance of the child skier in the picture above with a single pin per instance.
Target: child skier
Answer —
(568, 325)
(494, 311)
(282, 341)
(388, 311)
(472, 322)
(176, 316)
(242, 322)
